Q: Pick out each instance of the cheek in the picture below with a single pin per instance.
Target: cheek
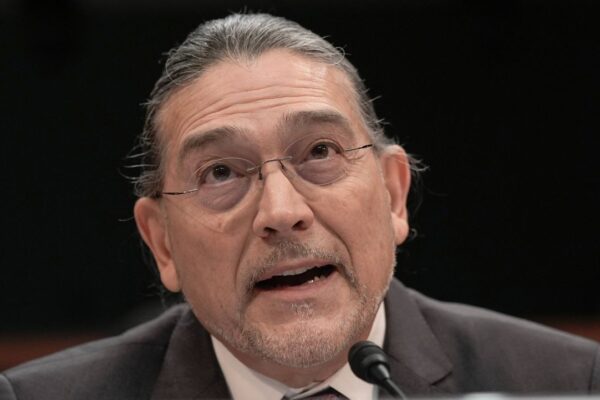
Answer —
(364, 208)
(361, 217)
(206, 264)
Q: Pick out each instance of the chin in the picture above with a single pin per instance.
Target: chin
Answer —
(310, 340)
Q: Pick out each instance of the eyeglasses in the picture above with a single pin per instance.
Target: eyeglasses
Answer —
(220, 184)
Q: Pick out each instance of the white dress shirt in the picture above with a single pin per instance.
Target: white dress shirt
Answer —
(245, 383)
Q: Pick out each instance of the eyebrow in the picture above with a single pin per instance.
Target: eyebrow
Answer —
(203, 138)
(304, 118)
(288, 122)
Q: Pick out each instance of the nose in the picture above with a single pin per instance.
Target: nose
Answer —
(282, 210)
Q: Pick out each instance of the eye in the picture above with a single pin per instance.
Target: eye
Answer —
(217, 173)
(323, 150)
(319, 151)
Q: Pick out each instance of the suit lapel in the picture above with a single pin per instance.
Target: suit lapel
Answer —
(417, 360)
(190, 369)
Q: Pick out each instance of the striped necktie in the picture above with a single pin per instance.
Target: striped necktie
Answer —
(328, 393)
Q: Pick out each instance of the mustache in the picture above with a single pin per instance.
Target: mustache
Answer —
(290, 250)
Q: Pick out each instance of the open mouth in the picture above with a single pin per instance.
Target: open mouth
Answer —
(304, 276)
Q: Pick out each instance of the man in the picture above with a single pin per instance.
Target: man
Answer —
(271, 199)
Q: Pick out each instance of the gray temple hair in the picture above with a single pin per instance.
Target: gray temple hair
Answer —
(236, 37)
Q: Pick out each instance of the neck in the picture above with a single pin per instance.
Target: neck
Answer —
(294, 377)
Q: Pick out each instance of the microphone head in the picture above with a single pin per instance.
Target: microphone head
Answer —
(368, 362)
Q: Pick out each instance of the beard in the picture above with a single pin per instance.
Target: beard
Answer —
(310, 339)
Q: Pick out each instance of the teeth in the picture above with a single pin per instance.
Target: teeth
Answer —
(295, 271)
(316, 278)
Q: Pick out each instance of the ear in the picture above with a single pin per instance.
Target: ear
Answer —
(151, 223)
(396, 172)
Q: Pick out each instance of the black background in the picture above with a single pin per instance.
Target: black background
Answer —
(500, 99)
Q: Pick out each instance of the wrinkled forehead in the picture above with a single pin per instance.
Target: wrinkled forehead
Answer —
(257, 97)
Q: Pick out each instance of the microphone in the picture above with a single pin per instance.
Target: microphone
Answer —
(370, 363)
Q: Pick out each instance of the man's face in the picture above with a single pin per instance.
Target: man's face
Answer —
(337, 241)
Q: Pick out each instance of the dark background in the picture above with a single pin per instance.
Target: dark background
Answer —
(500, 99)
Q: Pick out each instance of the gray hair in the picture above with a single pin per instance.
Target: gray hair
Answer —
(236, 37)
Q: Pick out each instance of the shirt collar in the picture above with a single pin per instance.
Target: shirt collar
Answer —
(245, 383)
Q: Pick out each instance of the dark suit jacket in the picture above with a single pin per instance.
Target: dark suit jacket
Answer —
(435, 349)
